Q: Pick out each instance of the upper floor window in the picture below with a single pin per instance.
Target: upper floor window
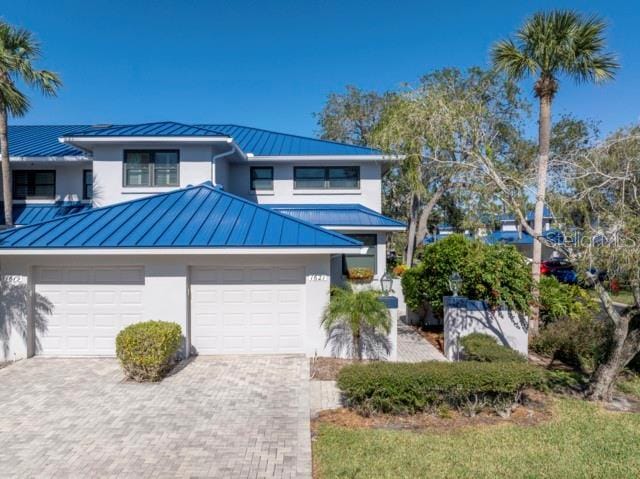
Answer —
(87, 184)
(36, 184)
(261, 178)
(326, 177)
(151, 167)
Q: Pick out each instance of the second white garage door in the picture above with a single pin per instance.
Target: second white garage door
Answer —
(82, 309)
(247, 310)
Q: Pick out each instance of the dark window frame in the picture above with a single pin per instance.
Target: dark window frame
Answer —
(152, 181)
(252, 178)
(85, 185)
(33, 174)
(327, 180)
(374, 245)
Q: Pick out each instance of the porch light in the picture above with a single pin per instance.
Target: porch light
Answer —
(385, 283)
(455, 283)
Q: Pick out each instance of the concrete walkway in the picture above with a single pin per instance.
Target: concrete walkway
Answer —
(220, 417)
(413, 348)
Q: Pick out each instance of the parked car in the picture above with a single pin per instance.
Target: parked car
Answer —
(564, 272)
(561, 269)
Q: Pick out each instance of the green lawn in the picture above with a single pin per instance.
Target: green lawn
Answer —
(630, 386)
(624, 296)
(581, 441)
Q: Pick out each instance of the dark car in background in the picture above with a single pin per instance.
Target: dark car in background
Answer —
(561, 269)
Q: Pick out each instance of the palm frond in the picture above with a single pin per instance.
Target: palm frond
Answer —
(557, 42)
(18, 52)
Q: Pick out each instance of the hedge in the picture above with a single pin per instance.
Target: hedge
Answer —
(409, 388)
(484, 348)
(147, 351)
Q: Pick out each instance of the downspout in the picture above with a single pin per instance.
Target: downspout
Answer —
(219, 156)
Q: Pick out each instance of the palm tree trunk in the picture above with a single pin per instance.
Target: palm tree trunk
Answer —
(411, 233)
(6, 169)
(544, 139)
(357, 347)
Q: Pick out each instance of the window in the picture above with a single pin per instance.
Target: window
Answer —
(29, 184)
(329, 177)
(87, 184)
(367, 260)
(261, 178)
(151, 168)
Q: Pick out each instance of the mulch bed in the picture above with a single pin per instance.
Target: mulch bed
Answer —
(535, 411)
(327, 369)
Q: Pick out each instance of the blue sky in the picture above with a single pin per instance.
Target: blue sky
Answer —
(271, 64)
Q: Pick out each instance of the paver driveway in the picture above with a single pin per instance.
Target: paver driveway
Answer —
(217, 417)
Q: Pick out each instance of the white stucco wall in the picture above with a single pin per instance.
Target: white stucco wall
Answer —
(463, 316)
(165, 288)
(195, 167)
(68, 178)
(369, 193)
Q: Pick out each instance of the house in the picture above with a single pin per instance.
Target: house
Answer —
(234, 233)
(511, 232)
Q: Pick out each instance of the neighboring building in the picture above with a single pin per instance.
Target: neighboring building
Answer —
(234, 233)
(511, 232)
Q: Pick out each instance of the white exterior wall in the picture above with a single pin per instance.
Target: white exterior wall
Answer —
(165, 290)
(108, 187)
(463, 316)
(369, 193)
(68, 178)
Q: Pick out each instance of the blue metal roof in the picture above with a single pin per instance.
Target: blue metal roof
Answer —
(42, 140)
(197, 216)
(26, 214)
(162, 128)
(270, 143)
(336, 215)
(514, 237)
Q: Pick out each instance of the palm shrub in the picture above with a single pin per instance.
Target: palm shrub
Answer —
(357, 323)
(147, 350)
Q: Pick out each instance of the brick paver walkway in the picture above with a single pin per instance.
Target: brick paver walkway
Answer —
(413, 348)
(217, 417)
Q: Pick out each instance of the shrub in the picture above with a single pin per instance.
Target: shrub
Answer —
(147, 350)
(408, 388)
(497, 274)
(485, 348)
(580, 342)
(357, 323)
(564, 301)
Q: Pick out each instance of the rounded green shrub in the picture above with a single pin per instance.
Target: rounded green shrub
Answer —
(408, 388)
(147, 351)
(484, 348)
(497, 274)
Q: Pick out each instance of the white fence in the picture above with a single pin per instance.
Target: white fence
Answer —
(463, 316)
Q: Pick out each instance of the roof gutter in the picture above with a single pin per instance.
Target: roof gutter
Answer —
(214, 251)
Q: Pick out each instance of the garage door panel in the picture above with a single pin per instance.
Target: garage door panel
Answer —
(89, 307)
(258, 310)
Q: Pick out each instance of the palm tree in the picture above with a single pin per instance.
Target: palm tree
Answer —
(357, 322)
(548, 46)
(18, 51)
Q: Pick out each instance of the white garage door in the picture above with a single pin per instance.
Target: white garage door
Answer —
(83, 309)
(250, 309)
